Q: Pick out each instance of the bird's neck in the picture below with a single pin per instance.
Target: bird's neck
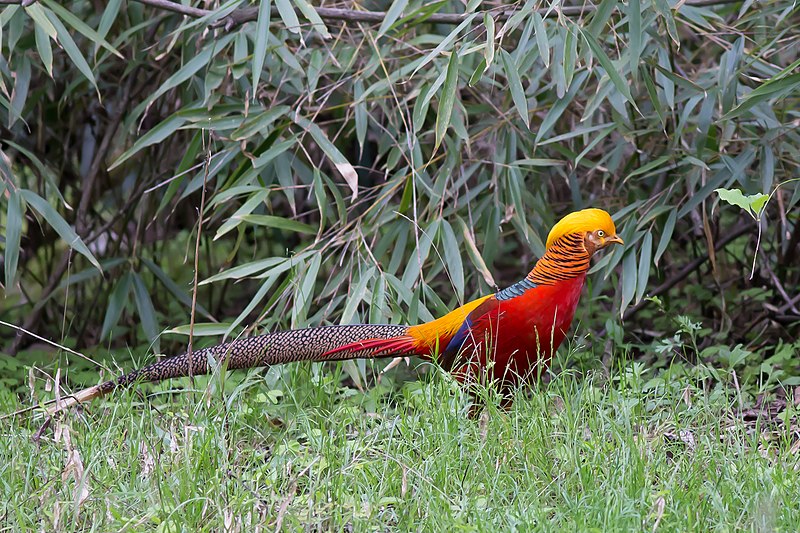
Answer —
(567, 258)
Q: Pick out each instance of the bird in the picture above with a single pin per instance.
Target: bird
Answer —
(502, 338)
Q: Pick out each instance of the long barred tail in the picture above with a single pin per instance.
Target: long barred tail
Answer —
(327, 343)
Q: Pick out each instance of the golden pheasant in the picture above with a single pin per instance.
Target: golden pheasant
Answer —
(502, 337)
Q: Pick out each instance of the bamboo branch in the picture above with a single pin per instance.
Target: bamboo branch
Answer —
(242, 15)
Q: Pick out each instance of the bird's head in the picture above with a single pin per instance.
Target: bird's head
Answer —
(594, 225)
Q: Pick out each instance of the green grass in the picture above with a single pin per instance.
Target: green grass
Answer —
(579, 453)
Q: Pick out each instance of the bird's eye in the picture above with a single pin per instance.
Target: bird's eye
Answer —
(601, 233)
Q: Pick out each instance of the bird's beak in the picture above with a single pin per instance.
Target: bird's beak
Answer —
(616, 239)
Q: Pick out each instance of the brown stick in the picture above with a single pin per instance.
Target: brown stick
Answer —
(240, 16)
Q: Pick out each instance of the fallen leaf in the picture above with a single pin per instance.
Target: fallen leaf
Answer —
(658, 511)
(148, 462)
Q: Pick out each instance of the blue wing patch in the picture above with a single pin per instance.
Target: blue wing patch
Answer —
(458, 339)
(516, 289)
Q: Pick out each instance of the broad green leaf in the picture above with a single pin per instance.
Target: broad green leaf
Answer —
(261, 43)
(477, 74)
(147, 313)
(235, 220)
(60, 225)
(447, 98)
(337, 158)
(515, 86)
(752, 203)
(246, 270)
(654, 164)
(601, 16)
(304, 291)
(266, 285)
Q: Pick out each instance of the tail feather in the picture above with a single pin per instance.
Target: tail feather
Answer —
(374, 348)
(327, 343)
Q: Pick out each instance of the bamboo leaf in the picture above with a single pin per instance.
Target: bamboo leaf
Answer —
(261, 43)
(154, 136)
(643, 274)
(80, 26)
(628, 280)
(488, 52)
(313, 17)
(44, 49)
(447, 99)
(60, 225)
(771, 88)
(72, 50)
(270, 221)
(515, 86)
(608, 66)
(37, 13)
(356, 296)
(258, 123)
(666, 235)
(288, 16)
(20, 94)
(446, 42)
(147, 313)
(181, 295)
(337, 158)
(13, 235)
(452, 257)
(541, 38)
(394, 12)
(201, 329)
(116, 303)
(635, 35)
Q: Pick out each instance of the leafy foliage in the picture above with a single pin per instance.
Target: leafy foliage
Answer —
(386, 171)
